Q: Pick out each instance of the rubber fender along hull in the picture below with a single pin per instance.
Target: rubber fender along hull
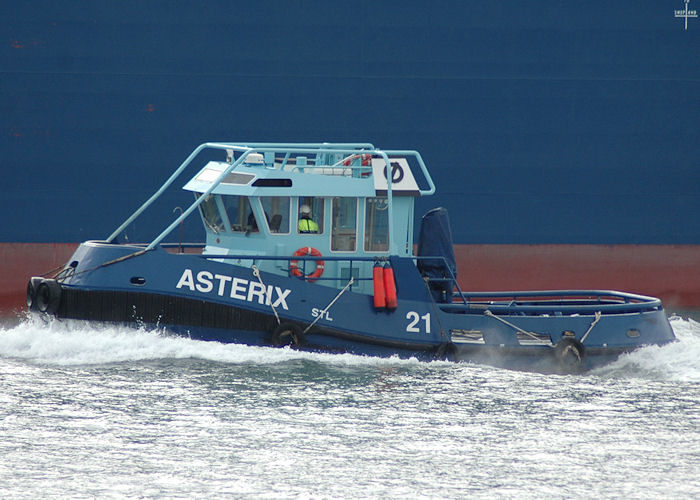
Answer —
(206, 320)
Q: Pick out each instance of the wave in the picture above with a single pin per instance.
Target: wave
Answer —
(78, 343)
(678, 361)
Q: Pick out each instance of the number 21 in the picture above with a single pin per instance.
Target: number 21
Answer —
(414, 318)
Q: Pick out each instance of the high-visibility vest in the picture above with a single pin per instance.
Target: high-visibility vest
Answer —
(307, 226)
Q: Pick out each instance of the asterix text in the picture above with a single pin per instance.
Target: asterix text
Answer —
(236, 288)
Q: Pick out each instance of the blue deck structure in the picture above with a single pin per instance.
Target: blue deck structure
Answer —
(355, 283)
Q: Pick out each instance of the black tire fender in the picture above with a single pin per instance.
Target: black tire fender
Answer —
(446, 351)
(287, 334)
(32, 287)
(48, 296)
(570, 354)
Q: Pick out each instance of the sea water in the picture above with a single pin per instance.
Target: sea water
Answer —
(112, 412)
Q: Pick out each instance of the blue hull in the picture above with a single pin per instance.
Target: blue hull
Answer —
(209, 300)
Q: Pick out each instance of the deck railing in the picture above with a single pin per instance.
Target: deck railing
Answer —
(555, 302)
(302, 266)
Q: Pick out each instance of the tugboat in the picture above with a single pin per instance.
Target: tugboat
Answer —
(312, 246)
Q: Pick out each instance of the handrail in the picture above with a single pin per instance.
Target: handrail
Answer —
(563, 293)
(260, 147)
(165, 186)
(526, 302)
(250, 256)
(304, 258)
(552, 308)
(281, 146)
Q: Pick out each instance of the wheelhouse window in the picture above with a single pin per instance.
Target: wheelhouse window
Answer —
(240, 214)
(344, 230)
(209, 210)
(277, 210)
(310, 216)
(376, 225)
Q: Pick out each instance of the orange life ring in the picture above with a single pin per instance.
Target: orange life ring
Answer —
(303, 252)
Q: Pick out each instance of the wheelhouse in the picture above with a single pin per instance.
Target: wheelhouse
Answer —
(327, 203)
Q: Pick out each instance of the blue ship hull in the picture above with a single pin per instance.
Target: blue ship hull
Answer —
(574, 124)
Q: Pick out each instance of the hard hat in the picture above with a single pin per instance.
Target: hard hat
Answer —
(304, 209)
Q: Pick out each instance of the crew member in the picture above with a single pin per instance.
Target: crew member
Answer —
(306, 223)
